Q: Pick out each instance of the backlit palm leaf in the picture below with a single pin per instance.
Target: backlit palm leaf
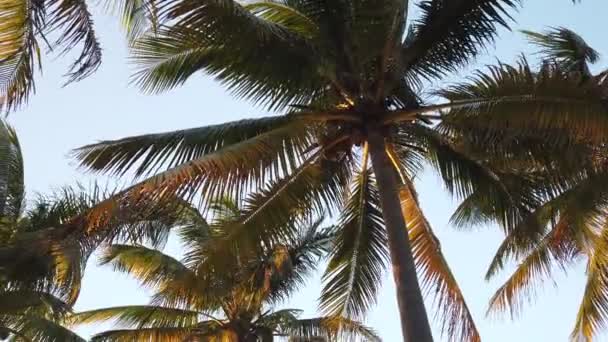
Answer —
(11, 174)
(450, 33)
(168, 334)
(435, 274)
(554, 249)
(591, 316)
(152, 268)
(144, 316)
(360, 254)
(328, 329)
(518, 100)
(566, 47)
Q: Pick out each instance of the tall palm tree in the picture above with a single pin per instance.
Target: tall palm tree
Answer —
(349, 75)
(232, 299)
(556, 215)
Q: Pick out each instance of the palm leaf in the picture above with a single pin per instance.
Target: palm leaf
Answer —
(360, 254)
(11, 174)
(450, 33)
(166, 275)
(210, 32)
(435, 274)
(517, 100)
(591, 316)
(74, 20)
(143, 316)
(555, 248)
(566, 47)
(170, 149)
(229, 171)
(168, 334)
(20, 52)
(40, 329)
(329, 328)
(285, 16)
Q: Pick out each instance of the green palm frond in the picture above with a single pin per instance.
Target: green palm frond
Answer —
(229, 170)
(435, 274)
(74, 21)
(39, 302)
(285, 16)
(143, 316)
(328, 328)
(20, 53)
(287, 267)
(151, 267)
(450, 33)
(169, 149)
(574, 216)
(136, 16)
(578, 209)
(360, 254)
(275, 212)
(34, 328)
(208, 34)
(168, 334)
(556, 247)
(12, 187)
(24, 24)
(566, 47)
(517, 100)
(591, 316)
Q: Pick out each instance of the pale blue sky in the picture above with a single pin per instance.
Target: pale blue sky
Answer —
(105, 106)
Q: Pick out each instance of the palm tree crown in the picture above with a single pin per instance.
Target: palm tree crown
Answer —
(232, 298)
(349, 75)
(556, 215)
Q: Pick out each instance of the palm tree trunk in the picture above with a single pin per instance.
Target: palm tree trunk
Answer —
(414, 321)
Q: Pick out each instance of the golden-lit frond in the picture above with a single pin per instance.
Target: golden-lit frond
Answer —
(555, 249)
(434, 272)
(592, 315)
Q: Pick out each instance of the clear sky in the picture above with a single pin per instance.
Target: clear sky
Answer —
(105, 106)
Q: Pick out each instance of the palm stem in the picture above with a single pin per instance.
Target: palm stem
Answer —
(414, 321)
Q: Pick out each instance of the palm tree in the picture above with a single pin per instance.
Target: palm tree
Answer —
(556, 215)
(25, 30)
(355, 131)
(232, 299)
(44, 248)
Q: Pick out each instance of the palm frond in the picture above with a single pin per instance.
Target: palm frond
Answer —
(557, 247)
(170, 149)
(285, 16)
(74, 21)
(566, 47)
(11, 174)
(168, 334)
(228, 171)
(450, 33)
(209, 33)
(136, 16)
(517, 100)
(360, 254)
(591, 316)
(435, 274)
(20, 52)
(143, 316)
(329, 328)
(149, 266)
(36, 328)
